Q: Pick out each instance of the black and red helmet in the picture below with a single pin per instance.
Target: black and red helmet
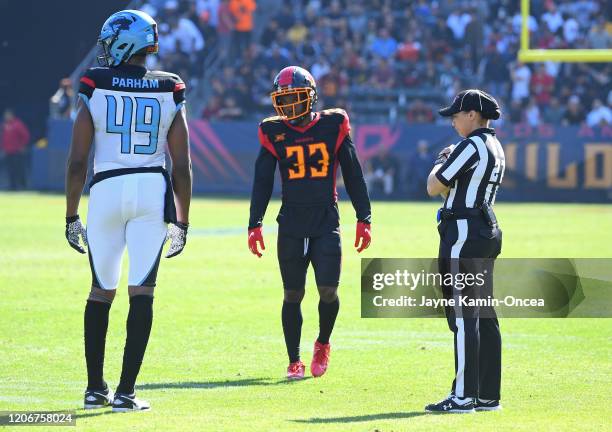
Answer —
(295, 93)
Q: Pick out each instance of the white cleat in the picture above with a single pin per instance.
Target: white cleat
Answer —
(95, 399)
(127, 403)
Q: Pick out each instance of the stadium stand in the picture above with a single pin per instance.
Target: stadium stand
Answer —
(382, 58)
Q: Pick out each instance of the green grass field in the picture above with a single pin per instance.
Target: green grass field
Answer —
(216, 357)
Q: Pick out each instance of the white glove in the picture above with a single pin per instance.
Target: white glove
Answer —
(74, 229)
(177, 234)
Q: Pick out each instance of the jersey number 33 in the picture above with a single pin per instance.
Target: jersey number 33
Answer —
(299, 167)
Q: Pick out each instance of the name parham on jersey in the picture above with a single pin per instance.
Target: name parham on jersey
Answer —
(135, 83)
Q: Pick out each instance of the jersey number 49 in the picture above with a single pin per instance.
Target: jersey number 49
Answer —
(148, 112)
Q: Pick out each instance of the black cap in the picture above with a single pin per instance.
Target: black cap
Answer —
(473, 100)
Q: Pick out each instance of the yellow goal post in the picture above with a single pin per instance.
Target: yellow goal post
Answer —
(527, 55)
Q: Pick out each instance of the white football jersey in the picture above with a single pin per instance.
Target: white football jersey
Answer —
(132, 110)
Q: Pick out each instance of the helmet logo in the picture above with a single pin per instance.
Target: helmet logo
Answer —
(121, 23)
(309, 78)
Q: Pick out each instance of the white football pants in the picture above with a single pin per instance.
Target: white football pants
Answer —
(126, 210)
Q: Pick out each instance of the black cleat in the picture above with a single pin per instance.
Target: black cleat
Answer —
(452, 404)
(95, 399)
(487, 405)
(125, 403)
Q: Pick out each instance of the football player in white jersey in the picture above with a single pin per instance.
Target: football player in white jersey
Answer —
(133, 117)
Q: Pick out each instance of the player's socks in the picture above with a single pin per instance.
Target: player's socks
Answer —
(327, 318)
(138, 327)
(292, 329)
(95, 327)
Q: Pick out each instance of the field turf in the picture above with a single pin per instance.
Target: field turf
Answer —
(216, 357)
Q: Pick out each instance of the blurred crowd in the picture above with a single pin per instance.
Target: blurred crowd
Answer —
(402, 59)
(190, 29)
(385, 60)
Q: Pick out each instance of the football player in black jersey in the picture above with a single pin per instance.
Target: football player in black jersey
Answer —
(307, 146)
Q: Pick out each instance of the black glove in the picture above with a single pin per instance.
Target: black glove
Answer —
(74, 229)
(443, 155)
(177, 234)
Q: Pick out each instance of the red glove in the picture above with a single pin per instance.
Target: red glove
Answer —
(254, 237)
(364, 234)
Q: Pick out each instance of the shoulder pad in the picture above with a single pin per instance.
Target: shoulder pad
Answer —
(271, 119)
(90, 78)
(270, 123)
(172, 82)
(92, 73)
(334, 112)
(167, 75)
(96, 70)
(337, 116)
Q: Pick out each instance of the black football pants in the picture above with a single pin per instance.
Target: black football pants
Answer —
(471, 246)
(296, 254)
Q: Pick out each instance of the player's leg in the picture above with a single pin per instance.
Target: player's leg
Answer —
(293, 260)
(490, 343)
(329, 305)
(106, 238)
(447, 260)
(145, 236)
(481, 247)
(448, 236)
(97, 394)
(326, 257)
(489, 365)
(447, 292)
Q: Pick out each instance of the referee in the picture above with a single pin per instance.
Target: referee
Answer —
(468, 175)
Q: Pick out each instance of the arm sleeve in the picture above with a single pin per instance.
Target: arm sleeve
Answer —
(460, 160)
(263, 184)
(354, 181)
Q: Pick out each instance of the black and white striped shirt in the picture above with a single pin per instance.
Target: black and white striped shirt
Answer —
(474, 170)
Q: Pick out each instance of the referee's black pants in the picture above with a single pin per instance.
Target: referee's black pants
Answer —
(467, 246)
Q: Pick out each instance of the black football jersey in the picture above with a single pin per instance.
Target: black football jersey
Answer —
(308, 158)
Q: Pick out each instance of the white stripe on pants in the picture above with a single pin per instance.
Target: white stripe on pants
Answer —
(462, 230)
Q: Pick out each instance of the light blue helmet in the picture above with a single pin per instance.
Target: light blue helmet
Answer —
(124, 34)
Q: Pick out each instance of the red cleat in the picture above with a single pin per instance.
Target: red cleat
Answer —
(295, 370)
(320, 359)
